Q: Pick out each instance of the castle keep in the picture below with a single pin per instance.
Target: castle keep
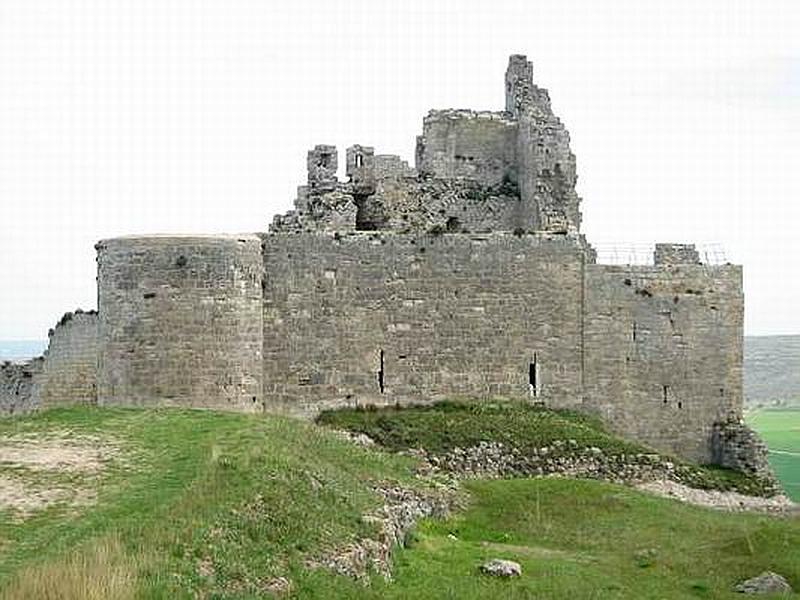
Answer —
(464, 276)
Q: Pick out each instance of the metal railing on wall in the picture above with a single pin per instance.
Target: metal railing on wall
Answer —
(711, 253)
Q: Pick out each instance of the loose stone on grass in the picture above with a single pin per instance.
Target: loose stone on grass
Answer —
(766, 583)
(498, 567)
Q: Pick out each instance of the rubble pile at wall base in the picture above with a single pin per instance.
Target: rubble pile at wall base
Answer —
(738, 447)
(401, 510)
(565, 458)
(18, 383)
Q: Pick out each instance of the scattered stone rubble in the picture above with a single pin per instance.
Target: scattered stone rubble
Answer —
(766, 583)
(402, 508)
(564, 458)
(499, 567)
(738, 447)
(730, 501)
(18, 382)
(359, 439)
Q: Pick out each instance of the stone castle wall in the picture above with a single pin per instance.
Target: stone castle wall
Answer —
(663, 352)
(19, 383)
(180, 321)
(65, 375)
(384, 318)
(466, 276)
(70, 366)
(655, 351)
(479, 146)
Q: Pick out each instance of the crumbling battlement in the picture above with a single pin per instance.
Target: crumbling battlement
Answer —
(676, 254)
(516, 162)
(70, 366)
(65, 374)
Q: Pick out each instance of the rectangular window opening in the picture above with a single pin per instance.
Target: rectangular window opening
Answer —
(381, 374)
(665, 389)
(533, 377)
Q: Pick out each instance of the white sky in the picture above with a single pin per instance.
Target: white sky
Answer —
(142, 116)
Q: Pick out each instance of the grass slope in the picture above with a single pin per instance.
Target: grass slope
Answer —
(208, 503)
(215, 505)
(441, 427)
(780, 428)
(586, 539)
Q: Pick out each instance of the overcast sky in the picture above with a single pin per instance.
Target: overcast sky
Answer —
(143, 116)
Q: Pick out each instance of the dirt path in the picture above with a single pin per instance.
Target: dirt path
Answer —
(37, 470)
(730, 501)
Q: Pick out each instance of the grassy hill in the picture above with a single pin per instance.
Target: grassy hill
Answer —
(130, 503)
(772, 369)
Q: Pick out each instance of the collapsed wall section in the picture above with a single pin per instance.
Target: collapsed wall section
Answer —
(180, 321)
(19, 383)
(663, 352)
(65, 375)
(384, 318)
(70, 366)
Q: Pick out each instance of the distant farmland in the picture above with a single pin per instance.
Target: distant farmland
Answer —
(780, 428)
(772, 370)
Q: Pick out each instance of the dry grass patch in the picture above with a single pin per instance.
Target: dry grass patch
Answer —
(41, 470)
(23, 498)
(101, 572)
(58, 451)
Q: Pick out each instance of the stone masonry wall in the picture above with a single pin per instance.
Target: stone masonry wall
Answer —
(480, 146)
(546, 165)
(70, 366)
(377, 318)
(676, 254)
(736, 446)
(663, 352)
(181, 321)
(19, 386)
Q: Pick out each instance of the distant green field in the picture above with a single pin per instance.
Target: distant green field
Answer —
(780, 428)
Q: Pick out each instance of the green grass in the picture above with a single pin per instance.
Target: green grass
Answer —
(248, 497)
(441, 427)
(780, 428)
(213, 505)
(587, 539)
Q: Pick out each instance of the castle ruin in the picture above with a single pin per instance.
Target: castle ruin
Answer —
(463, 277)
